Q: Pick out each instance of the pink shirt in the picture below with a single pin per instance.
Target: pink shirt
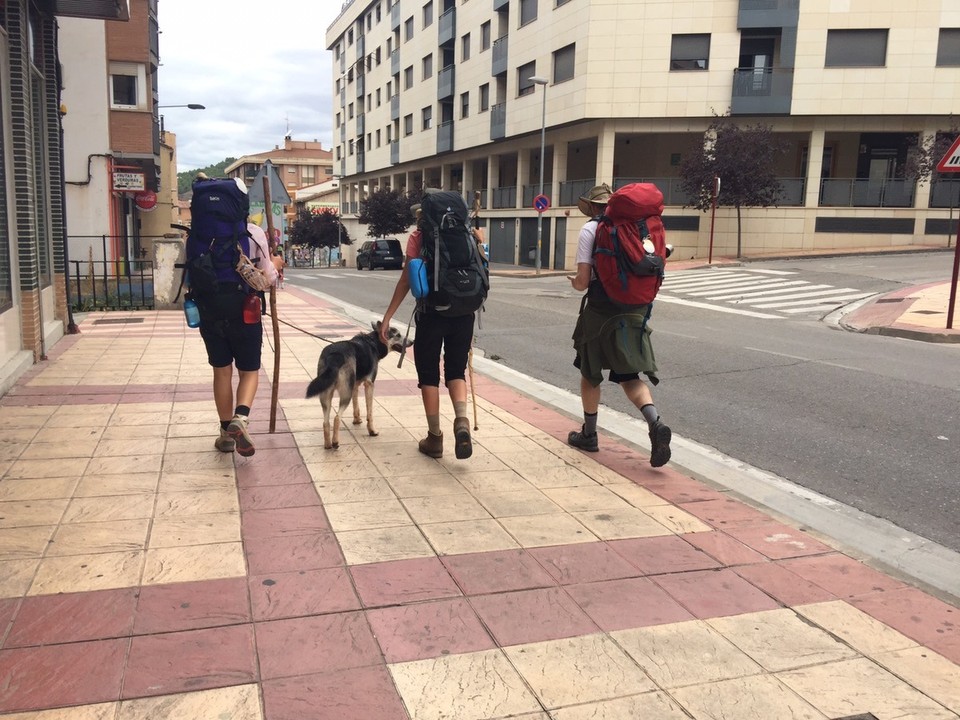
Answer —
(414, 244)
(260, 249)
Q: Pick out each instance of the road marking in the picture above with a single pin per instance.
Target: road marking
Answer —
(780, 288)
(823, 299)
(718, 308)
(771, 283)
(805, 359)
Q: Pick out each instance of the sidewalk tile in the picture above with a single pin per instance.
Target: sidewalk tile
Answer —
(576, 670)
(724, 548)
(476, 686)
(652, 706)
(193, 562)
(456, 538)
(364, 693)
(627, 603)
(529, 616)
(919, 616)
(82, 573)
(778, 541)
(664, 554)
(863, 633)
(73, 617)
(354, 491)
(725, 513)
(304, 646)
(621, 523)
(541, 530)
(782, 585)
(714, 593)
(403, 581)
(16, 576)
(517, 502)
(929, 672)
(758, 697)
(382, 544)
(241, 702)
(499, 571)
(292, 552)
(297, 594)
(583, 563)
(272, 497)
(428, 630)
(842, 575)
(445, 508)
(287, 521)
(110, 536)
(190, 660)
(59, 675)
(192, 605)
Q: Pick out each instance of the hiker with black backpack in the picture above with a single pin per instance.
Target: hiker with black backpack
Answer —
(228, 267)
(621, 253)
(456, 283)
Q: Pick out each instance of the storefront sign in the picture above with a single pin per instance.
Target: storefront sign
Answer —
(128, 181)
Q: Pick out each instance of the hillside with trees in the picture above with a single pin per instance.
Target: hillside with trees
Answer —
(185, 178)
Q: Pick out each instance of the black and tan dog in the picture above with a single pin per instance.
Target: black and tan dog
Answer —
(343, 367)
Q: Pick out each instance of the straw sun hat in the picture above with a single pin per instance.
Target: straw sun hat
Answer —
(599, 195)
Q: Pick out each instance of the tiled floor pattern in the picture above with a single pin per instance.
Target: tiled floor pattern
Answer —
(371, 582)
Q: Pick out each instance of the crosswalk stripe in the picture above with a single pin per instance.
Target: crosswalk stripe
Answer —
(773, 272)
(696, 284)
(771, 282)
(841, 294)
(718, 308)
(782, 287)
(834, 301)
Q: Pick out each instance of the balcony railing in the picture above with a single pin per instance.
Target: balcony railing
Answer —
(499, 55)
(445, 136)
(498, 121)
(571, 190)
(531, 191)
(762, 91)
(445, 82)
(945, 193)
(395, 17)
(500, 5)
(395, 62)
(768, 13)
(361, 124)
(504, 197)
(395, 107)
(855, 192)
(395, 152)
(447, 31)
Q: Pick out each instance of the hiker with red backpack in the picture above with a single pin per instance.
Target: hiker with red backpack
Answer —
(621, 253)
(451, 286)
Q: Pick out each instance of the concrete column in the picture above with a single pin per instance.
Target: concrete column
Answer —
(605, 154)
(814, 168)
(559, 171)
(523, 172)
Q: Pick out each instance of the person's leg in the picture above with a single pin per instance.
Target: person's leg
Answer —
(426, 358)
(586, 437)
(660, 435)
(246, 346)
(457, 342)
(223, 399)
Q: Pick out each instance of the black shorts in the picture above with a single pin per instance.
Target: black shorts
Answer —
(227, 338)
(454, 335)
(612, 375)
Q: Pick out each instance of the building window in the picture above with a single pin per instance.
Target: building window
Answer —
(128, 82)
(465, 48)
(690, 52)
(485, 36)
(408, 30)
(308, 174)
(408, 124)
(428, 67)
(428, 14)
(528, 11)
(465, 105)
(408, 78)
(427, 118)
(484, 97)
(378, 97)
(378, 138)
(948, 49)
(524, 73)
(856, 48)
(563, 62)
(350, 111)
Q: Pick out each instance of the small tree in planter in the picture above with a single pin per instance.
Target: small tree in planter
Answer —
(319, 228)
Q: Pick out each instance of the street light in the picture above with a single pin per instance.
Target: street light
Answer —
(537, 80)
(190, 106)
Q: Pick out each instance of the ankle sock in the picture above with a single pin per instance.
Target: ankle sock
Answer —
(433, 424)
(242, 410)
(590, 423)
(460, 408)
(650, 414)
(224, 424)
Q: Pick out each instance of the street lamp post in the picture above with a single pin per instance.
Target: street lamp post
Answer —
(537, 80)
(189, 106)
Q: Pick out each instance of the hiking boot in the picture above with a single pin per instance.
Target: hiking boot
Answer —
(225, 443)
(583, 440)
(463, 448)
(237, 429)
(432, 445)
(659, 444)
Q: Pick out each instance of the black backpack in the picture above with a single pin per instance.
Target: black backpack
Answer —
(458, 278)
(218, 233)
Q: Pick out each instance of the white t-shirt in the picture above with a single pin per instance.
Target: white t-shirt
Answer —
(585, 242)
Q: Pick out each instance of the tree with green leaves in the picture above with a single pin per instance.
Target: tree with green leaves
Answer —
(744, 158)
(318, 228)
(387, 212)
(185, 178)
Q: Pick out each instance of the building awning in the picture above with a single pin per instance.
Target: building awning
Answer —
(94, 9)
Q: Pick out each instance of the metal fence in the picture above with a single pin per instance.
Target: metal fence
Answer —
(111, 285)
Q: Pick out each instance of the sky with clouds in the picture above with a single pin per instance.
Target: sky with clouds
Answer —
(258, 66)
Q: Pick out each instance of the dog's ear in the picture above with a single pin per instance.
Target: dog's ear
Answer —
(375, 326)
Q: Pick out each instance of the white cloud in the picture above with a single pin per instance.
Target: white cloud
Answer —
(258, 68)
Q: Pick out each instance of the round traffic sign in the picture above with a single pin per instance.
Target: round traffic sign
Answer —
(145, 200)
(541, 203)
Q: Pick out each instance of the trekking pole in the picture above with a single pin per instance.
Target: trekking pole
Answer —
(473, 392)
(268, 210)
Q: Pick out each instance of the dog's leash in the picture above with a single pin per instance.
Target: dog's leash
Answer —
(306, 332)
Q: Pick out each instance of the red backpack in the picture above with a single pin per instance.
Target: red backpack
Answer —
(629, 251)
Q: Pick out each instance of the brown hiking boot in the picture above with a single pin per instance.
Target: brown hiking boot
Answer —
(463, 448)
(432, 445)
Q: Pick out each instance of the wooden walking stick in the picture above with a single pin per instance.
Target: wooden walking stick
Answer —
(473, 392)
(268, 209)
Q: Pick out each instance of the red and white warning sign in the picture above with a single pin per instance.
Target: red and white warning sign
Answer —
(951, 161)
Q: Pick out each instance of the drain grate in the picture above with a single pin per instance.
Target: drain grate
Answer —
(928, 312)
(118, 321)
(890, 300)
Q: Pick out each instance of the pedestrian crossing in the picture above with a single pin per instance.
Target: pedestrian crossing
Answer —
(779, 291)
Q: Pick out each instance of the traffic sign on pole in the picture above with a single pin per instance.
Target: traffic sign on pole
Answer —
(541, 203)
(951, 161)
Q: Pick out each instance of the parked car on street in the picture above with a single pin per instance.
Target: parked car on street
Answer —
(383, 253)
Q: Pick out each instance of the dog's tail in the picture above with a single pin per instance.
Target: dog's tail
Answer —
(323, 381)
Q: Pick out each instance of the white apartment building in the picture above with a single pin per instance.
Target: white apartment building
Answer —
(438, 93)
